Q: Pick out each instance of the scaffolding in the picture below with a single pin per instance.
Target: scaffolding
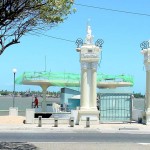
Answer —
(69, 79)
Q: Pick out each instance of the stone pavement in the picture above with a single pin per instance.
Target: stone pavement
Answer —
(15, 123)
(104, 128)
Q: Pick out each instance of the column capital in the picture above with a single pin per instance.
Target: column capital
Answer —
(94, 65)
(84, 65)
(89, 65)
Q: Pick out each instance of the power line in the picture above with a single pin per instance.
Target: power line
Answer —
(95, 7)
(115, 10)
(54, 37)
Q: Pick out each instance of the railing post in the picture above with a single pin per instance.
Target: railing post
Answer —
(71, 121)
(55, 122)
(40, 121)
(87, 122)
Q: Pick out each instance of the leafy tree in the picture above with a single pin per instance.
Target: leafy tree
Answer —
(18, 17)
(139, 95)
(4, 93)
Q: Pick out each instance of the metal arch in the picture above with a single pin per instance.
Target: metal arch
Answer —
(99, 42)
(79, 42)
(145, 45)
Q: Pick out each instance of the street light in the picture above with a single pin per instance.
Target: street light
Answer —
(14, 71)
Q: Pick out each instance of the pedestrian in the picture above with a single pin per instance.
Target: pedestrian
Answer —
(36, 102)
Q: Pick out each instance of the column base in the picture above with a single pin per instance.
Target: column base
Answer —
(92, 114)
(146, 117)
(87, 109)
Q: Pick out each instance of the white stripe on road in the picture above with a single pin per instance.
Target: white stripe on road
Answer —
(144, 143)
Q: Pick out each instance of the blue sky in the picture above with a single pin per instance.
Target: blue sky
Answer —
(122, 34)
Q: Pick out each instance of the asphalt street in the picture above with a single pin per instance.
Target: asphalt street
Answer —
(74, 137)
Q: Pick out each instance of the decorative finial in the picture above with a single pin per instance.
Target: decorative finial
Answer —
(89, 36)
(88, 22)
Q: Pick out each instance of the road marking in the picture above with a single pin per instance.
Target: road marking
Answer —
(65, 142)
(144, 143)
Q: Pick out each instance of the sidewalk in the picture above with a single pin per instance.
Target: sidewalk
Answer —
(15, 123)
(66, 128)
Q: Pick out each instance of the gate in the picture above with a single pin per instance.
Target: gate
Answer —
(115, 107)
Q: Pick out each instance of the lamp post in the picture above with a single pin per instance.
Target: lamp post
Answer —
(14, 71)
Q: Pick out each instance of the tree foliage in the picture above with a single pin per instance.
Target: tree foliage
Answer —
(18, 17)
(139, 95)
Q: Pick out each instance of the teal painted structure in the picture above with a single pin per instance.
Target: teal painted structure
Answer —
(67, 93)
(73, 104)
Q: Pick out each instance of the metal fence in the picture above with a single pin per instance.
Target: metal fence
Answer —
(115, 107)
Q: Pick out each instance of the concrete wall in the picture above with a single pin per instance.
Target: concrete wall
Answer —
(136, 114)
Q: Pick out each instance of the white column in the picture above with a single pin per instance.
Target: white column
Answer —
(148, 87)
(83, 101)
(44, 105)
(147, 93)
(93, 102)
(88, 86)
(146, 53)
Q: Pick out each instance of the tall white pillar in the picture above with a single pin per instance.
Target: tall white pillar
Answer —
(146, 53)
(89, 58)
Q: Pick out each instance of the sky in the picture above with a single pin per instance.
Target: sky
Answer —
(122, 34)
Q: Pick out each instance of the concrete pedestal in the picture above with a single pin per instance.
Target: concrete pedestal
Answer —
(74, 114)
(92, 114)
(13, 111)
(147, 115)
(30, 115)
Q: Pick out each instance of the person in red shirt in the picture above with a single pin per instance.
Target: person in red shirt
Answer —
(36, 102)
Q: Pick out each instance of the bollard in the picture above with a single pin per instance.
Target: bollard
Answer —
(55, 122)
(40, 121)
(71, 121)
(87, 122)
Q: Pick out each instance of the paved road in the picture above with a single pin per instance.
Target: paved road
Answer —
(74, 137)
(74, 141)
